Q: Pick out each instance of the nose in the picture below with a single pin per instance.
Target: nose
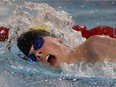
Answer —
(40, 56)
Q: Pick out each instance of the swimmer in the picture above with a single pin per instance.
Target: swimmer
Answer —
(42, 46)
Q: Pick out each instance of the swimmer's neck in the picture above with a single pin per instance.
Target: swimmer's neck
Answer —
(77, 55)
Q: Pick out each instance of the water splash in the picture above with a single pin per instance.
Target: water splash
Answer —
(22, 20)
(106, 69)
(60, 23)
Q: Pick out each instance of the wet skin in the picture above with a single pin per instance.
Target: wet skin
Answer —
(94, 49)
(53, 52)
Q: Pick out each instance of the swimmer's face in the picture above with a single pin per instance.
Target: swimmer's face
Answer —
(52, 52)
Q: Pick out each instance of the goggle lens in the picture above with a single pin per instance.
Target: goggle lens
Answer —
(37, 45)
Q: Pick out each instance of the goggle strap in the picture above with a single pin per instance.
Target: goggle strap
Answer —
(32, 58)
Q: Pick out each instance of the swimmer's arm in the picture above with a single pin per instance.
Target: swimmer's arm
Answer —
(99, 48)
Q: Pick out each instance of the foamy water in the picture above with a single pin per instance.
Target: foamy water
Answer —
(16, 72)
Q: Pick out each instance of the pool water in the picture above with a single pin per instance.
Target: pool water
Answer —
(59, 16)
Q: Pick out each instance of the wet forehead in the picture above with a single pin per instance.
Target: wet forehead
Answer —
(49, 39)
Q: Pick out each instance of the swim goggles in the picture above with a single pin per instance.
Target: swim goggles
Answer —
(37, 44)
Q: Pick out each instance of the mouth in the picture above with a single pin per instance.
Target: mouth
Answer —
(51, 59)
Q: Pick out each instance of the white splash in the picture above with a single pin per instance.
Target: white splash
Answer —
(60, 23)
(106, 69)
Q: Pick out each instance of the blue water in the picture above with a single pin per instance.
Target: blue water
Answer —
(16, 72)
